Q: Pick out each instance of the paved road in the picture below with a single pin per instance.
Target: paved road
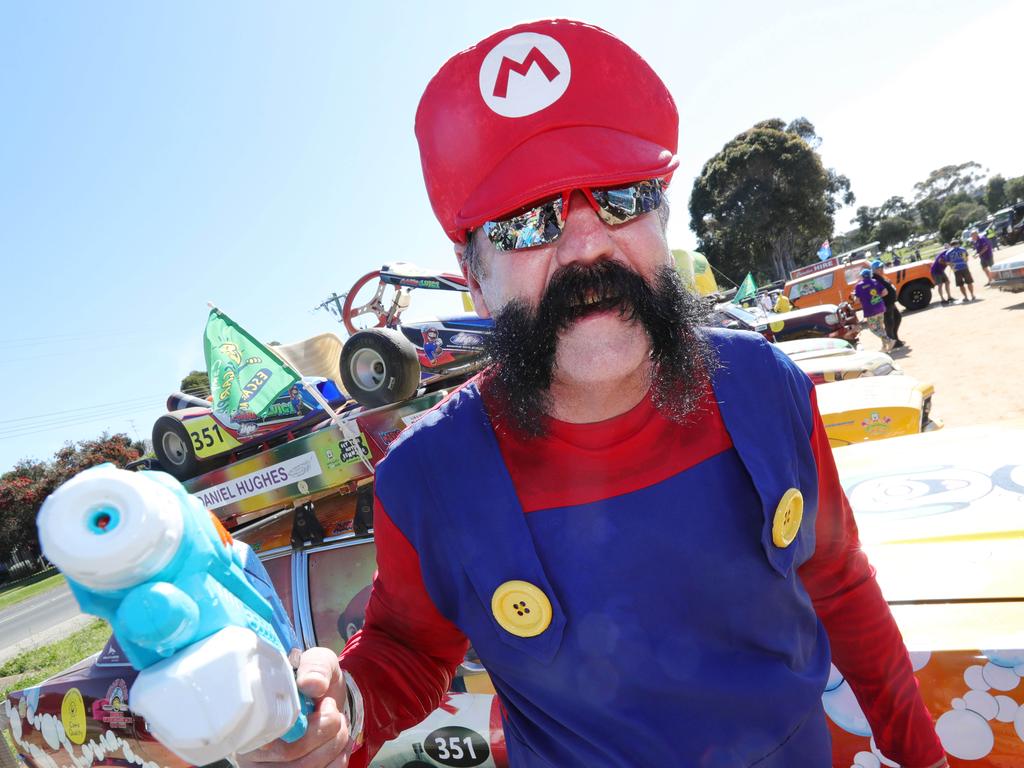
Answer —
(34, 621)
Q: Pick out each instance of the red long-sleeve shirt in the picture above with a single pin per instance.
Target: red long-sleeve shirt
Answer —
(405, 657)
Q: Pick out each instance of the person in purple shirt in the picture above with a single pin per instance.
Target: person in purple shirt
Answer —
(983, 247)
(940, 278)
(893, 318)
(870, 293)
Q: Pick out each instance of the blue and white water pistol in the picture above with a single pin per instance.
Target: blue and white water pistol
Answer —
(212, 653)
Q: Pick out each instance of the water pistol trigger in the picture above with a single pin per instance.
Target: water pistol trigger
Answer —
(297, 730)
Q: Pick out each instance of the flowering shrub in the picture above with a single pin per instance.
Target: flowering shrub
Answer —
(24, 488)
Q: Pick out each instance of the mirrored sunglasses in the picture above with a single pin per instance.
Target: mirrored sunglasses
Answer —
(542, 223)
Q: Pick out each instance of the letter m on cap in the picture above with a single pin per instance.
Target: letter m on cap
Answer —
(508, 66)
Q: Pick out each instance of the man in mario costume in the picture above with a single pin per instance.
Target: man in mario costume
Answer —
(641, 531)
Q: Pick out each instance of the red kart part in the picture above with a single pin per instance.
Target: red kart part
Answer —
(402, 278)
(374, 306)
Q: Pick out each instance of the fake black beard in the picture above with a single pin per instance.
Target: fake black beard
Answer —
(525, 339)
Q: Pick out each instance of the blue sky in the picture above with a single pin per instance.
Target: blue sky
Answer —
(156, 156)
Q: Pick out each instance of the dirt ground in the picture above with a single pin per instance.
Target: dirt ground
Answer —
(973, 353)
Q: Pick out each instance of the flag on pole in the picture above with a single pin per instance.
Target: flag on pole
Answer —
(245, 376)
(747, 290)
(825, 252)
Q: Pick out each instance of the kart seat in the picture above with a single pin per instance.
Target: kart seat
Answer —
(315, 356)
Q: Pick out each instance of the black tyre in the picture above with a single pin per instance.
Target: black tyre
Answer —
(916, 295)
(379, 366)
(173, 448)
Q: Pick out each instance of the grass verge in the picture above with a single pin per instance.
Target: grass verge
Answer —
(10, 746)
(927, 252)
(34, 666)
(33, 585)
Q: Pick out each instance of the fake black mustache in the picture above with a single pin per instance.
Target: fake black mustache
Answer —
(525, 339)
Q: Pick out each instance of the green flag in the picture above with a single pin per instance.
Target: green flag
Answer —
(747, 290)
(245, 377)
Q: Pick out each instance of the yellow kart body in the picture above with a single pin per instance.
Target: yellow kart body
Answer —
(875, 408)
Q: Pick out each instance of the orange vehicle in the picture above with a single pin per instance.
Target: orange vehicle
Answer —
(835, 284)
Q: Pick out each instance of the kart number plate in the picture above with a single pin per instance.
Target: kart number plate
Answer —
(208, 437)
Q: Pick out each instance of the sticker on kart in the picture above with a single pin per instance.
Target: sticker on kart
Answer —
(208, 437)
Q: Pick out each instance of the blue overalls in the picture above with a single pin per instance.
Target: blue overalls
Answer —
(679, 634)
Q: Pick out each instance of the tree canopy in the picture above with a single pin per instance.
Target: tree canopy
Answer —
(890, 223)
(893, 230)
(944, 188)
(1014, 190)
(765, 202)
(949, 179)
(959, 216)
(24, 488)
(197, 383)
(929, 213)
(995, 193)
(950, 198)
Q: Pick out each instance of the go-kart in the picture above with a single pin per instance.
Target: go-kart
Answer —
(386, 360)
(823, 321)
(839, 361)
(383, 362)
(189, 441)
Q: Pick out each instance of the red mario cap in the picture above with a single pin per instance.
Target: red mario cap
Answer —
(537, 109)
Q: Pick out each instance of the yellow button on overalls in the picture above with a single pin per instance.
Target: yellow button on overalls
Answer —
(788, 515)
(521, 609)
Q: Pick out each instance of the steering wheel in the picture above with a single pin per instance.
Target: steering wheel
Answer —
(372, 307)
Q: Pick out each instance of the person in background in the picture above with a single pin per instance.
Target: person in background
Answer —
(940, 278)
(870, 293)
(957, 257)
(983, 247)
(646, 539)
(893, 318)
(992, 235)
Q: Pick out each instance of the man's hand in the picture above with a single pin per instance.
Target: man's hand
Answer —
(326, 741)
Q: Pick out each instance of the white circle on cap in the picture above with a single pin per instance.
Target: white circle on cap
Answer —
(523, 74)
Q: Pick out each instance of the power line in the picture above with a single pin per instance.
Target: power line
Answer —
(33, 429)
(722, 274)
(65, 351)
(23, 426)
(80, 417)
(196, 392)
(37, 423)
(74, 410)
(62, 338)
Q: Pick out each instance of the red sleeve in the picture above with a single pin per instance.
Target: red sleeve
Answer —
(405, 656)
(867, 647)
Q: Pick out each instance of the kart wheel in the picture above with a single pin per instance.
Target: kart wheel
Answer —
(379, 366)
(173, 448)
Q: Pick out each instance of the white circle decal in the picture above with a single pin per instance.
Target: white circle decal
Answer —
(524, 74)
